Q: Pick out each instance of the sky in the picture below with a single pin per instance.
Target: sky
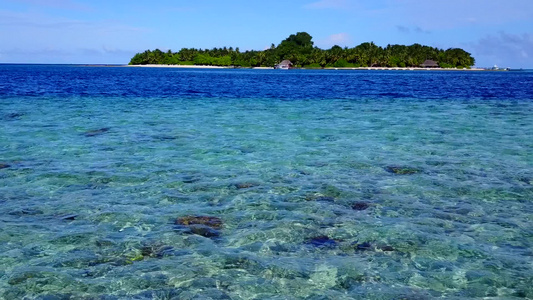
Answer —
(495, 32)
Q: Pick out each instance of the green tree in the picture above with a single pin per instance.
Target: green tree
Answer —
(299, 49)
(296, 48)
(334, 54)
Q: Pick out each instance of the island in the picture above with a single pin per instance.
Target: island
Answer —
(298, 51)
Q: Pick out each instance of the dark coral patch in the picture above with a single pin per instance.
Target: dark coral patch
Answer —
(525, 180)
(96, 132)
(245, 185)
(365, 246)
(69, 217)
(205, 226)
(368, 246)
(385, 248)
(203, 230)
(13, 116)
(208, 221)
(360, 206)
(322, 241)
(402, 170)
(190, 179)
(325, 199)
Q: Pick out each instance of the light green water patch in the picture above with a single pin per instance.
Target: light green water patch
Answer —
(95, 215)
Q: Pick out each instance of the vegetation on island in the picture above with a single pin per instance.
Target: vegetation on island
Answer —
(300, 50)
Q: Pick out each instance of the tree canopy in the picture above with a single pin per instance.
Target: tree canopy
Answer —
(300, 50)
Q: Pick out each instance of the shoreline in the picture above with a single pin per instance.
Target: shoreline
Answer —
(403, 69)
(329, 68)
(179, 66)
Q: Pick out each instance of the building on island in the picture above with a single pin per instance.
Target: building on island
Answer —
(286, 64)
(428, 63)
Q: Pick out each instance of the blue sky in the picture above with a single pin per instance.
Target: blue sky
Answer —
(112, 31)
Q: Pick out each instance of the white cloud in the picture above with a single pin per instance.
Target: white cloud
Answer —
(64, 55)
(505, 49)
(47, 23)
(446, 14)
(45, 38)
(420, 30)
(407, 29)
(403, 29)
(340, 39)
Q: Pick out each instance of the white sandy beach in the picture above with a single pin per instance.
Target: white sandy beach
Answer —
(180, 66)
(269, 68)
(408, 69)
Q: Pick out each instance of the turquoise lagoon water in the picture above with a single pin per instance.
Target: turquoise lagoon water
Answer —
(329, 185)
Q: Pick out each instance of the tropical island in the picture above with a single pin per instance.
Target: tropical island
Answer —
(298, 51)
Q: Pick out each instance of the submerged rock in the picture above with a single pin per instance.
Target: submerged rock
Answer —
(525, 180)
(303, 172)
(204, 231)
(96, 132)
(164, 137)
(322, 241)
(367, 246)
(3, 166)
(69, 217)
(13, 116)
(360, 206)
(105, 243)
(208, 221)
(245, 185)
(201, 225)
(385, 248)
(402, 170)
(190, 179)
(364, 246)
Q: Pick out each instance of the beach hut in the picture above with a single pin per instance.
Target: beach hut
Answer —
(286, 64)
(428, 63)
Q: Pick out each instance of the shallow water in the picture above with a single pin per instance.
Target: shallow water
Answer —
(98, 163)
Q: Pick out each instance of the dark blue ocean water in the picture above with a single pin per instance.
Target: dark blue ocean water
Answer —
(307, 184)
(74, 81)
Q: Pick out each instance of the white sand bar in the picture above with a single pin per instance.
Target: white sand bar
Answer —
(181, 66)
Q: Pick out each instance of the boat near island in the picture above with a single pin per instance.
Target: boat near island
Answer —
(496, 68)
